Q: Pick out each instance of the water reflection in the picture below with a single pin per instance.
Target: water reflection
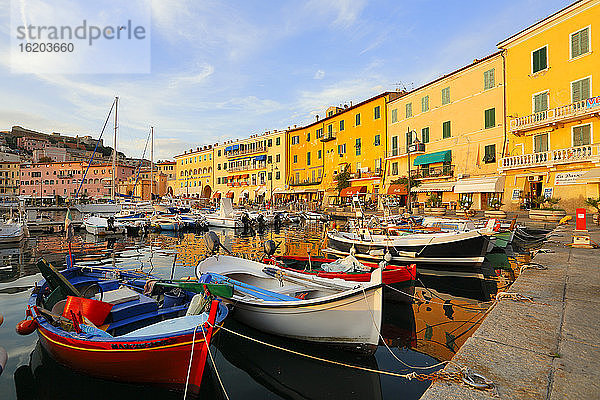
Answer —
(445, 314)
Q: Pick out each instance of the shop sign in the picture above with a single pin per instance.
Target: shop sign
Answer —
(547, 193)
(568, 178)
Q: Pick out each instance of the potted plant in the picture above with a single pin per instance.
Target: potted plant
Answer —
(464, 205)
(594, 203)
(495, 211)
(547, 209)
(433, 205)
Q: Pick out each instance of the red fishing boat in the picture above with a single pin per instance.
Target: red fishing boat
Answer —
(112, 324)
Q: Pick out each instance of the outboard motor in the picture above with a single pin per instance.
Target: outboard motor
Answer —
(261, 220)
(277, 219)
(212, 242)
(270, 248)
(110, 223)
(245, 220)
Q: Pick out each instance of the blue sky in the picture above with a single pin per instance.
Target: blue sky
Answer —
(222, 70)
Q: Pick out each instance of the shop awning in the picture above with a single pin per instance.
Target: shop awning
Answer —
(216, 195)
(245, 176)
(494, 184)
(235, 147)
(262, 157)
(434, 187)
(397, 190)
(437, 157)
(229, 194)
(353, 190)
(227, 149)
(593, 175)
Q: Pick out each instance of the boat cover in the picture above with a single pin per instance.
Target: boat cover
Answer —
(346, 264)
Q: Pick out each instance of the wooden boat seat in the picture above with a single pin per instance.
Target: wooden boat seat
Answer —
(126, 325)
(141, 305)
(118, 296)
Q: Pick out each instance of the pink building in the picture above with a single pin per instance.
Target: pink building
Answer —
(30, 143)
(63, 179)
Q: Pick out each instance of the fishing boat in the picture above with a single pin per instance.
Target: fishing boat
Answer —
(11, 232)
(441, 249)
(225, 217)
(313, 216)
(101, 226)
(300, 306)
(117, 325)
(168, 222)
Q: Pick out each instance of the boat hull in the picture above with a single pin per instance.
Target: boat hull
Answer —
(223, 222)
(103, 231)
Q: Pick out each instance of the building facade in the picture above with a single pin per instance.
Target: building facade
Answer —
(168, 168)
(9, 179)
(349, 138)
(553, 109)
(454, 128)
(194, 171)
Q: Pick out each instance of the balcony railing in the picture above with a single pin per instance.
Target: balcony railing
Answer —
(552, 157)
(564, 113)
(433, 172)
(247, 167)
(402, 151)
(328, 136)
(366, 174)
(305, 182)
(235, 153)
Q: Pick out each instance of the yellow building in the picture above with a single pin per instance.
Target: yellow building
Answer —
(194, 172)
(249, 170)
(552, 114)
(168, 168)
(138, 185)
(455, 126)
(9, 179)
(352, 136)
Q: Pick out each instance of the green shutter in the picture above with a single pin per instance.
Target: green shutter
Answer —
(577, 139)
(543, 58)
(585, 88)
(490, 118)
(575, 48)
(584, 41)
(446, 133)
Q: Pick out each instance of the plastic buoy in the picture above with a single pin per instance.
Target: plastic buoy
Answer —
(3, 359)
(26, 327)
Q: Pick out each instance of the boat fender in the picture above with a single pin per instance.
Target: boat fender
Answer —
(3, 359)
(26, 327)
(1, 319)
(270, 247)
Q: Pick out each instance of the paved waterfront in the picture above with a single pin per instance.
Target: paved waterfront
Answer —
(549, 349)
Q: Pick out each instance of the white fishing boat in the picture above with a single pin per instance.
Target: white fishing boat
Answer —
(166, 222)
(101, 226)
(225, 216)
(11, 232)
(294, 305)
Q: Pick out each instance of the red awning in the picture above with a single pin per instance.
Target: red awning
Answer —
(354, 190)
(397, 190)
(229, 194)
(216, 195)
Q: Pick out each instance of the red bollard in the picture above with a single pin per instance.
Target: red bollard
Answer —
(580, 219)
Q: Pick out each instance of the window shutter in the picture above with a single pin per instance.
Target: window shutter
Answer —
(585, 88)
(575, 48)
(577, 136)
(576, 90)
(584, 41)
(544, 101)
(543, 58)
(536, 61)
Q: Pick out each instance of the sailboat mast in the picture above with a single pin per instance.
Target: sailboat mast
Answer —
(151, 162)
(114, 160)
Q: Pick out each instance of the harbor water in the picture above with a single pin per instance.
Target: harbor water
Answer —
(444, 314)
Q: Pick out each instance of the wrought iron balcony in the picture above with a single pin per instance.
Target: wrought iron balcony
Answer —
(248, 167)
(566, 113)
(236, 153)
(366, 174)
(433, 172)
(551, 157)
(328, 136)
(305, 182)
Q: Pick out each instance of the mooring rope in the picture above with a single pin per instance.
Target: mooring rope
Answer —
(187, 379)
(214, 365)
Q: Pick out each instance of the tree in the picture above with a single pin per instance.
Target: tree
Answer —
(45, 159)
(403, 180)
(343, 179)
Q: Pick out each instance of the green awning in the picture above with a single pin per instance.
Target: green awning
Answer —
(440, 156)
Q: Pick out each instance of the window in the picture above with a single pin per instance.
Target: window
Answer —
(357, 146)
(582, 135)
(295, 158)
(377, 164)
(446, 132)
(224, 165)
(580, 42)
(395, 168)
(580, 90)
(308, 158)
(357, 119)
(394, 145)
(408, 139)
(424, 103)
(539, 59)
(330, 113)
(425, 135)
(277, 175)
(540, 143)
(342, 125)
(342, 148)
(377, 112)
(270, 159)
(489, 154)
(277, 141)
(277, 157)
(540, 102)
(488, 79)
(295, 139)
(270, 176)
(490, 118)
(319, 154)
(394, 115)
(377, 141)
(445, 95)
(408, 110)
(270, 143)
(308, 136)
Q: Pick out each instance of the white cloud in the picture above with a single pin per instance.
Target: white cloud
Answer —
(320, 74)
(344, 12)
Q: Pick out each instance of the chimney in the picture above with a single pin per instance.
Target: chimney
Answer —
(317, 116)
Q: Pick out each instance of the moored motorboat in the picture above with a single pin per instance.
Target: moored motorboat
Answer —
(11, 232)
(101, 226)
(298, 306)
(168, 222)
(125, 332)
(225, 217)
